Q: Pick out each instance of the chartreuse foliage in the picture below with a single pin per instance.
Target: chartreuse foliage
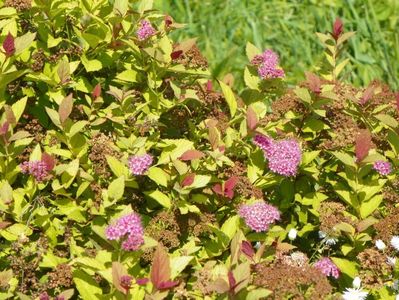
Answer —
(85, 87)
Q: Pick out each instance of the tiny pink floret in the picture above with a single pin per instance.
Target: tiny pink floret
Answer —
(383, 167)
(145, 30)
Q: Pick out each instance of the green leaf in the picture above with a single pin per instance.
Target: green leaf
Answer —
(345, 158)
(117, 188)
(18, 108)
(23, 42)
(258, 294)
(128, 76)
(303, 94)
(158, 175)
(251, 50)
(368, 207)
(347, 267)
(178, 264)
(230, 98)
(387, 120)
(54, 116)
(160, 197)
(91, 65)
(86, 285)
(121, 7)
(118, 168)
(230, 227)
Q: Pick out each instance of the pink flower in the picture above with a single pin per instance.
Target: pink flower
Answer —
(259, 216)
(263, 142)
(38, 169)
(145, 30)
(138, 164)
(327, 267)
(130, 226)
(382, 167)
(283, 156)
(126, 281)
(267, 65)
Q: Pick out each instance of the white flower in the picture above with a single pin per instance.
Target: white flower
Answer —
(257, 245)
(356, 282)
(292, 234)
(354, 294)
(397, 297)
(391, 261)
(395, 242)
(322, 234)
(380, 245)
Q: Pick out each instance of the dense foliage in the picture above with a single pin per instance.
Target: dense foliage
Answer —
(221, 27)
(127, 174)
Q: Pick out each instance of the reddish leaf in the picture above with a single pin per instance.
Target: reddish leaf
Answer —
(209, 86)
(4, 224)
(232, 280)
(142, 281)
(49, 161)
(168, 21)
(188, 180)
(368, 93)
(65, 108)
(164, 285)
(96, 91)
(229, 186)
(118, 271)
(176, 54)
(8, 45)
(313, 82)
(10, 117)
(4, 128)
(337, 28)
(363, 144)
(160, 270)
(217, 188)
(247, 249)
(252, 120)
(192, 154)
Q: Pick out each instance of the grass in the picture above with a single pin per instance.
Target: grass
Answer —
(287, 26)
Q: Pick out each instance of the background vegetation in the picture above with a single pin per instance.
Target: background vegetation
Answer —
(223, 27)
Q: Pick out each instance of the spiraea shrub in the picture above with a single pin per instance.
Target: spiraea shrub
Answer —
(128, 173)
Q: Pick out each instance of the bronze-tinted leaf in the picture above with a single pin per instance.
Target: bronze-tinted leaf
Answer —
(337, 28)
(63, 72)
(49, 161)
(10, 117)
(188, 180)
(252, 119)
(160, 270)
(220, 286)
(186, 45)
(65, 108)
(247, 249)
(9, 45)
(314, 82)
(118, 270)
(176, 54)
(363, 144)
(192, 154)
(368, 93)
(96, 91)
(213, 137)
(4, 128)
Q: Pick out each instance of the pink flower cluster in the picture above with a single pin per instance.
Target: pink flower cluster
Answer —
(129, 225)
(382, 167)
(283, 156)
(38, 169)
(267, 63)
(138, 164)
(258, 216)
(327, 267)
(145, 30)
